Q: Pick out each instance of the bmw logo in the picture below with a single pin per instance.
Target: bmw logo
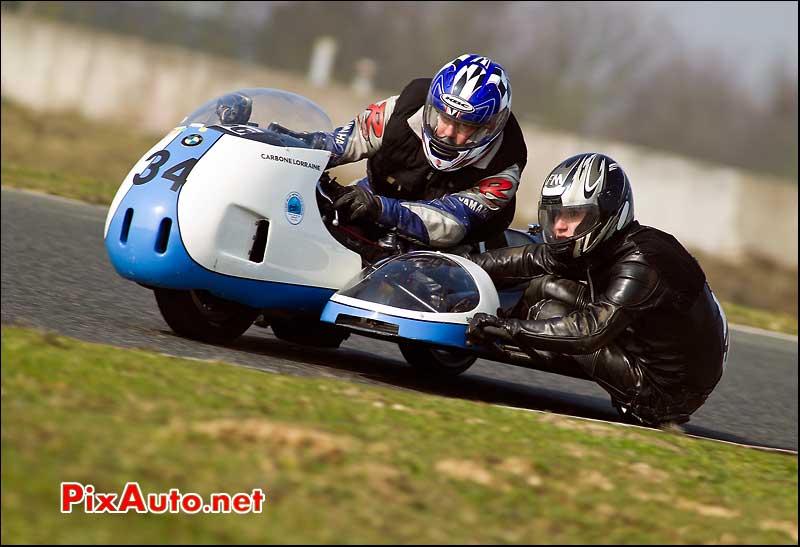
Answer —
(192, 140)
(294, 208)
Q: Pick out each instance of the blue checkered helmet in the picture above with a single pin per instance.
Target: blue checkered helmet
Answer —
(471, 95)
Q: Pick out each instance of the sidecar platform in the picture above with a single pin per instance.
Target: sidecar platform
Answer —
(428, 298)
(424, 296)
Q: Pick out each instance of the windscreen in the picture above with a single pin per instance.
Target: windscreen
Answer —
(260, 107)
(425, 283)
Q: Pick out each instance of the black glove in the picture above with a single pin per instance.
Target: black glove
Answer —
(484, 329)
(357, 202)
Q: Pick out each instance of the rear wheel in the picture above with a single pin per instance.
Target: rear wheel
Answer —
(436, 362)
(202, 316)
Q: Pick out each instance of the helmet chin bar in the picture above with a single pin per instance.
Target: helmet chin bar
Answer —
(441, 152)
(461, 159)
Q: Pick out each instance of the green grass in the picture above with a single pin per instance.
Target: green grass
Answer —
(342, 463)
(58, 183)
(66, 155)
(742, 315)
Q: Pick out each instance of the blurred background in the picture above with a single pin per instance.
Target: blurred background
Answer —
(696, 100)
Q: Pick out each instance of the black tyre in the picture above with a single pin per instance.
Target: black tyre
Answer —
(436, 362)
(203, 316)
(309, 333)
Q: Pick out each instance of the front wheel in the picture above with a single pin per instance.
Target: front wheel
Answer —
(436, 362)
(202, 316)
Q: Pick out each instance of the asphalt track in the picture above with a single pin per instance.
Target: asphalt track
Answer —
(56, 276)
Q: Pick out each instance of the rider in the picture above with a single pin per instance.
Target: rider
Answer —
(626, 302)
(445, 157)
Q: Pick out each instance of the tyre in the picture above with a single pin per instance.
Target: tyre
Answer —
(202, 316)
(309, 333)
(436, 362)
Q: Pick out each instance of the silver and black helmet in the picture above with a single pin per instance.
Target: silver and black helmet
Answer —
(585, 200)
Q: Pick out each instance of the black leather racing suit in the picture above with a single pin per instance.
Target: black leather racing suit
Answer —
(638, 317)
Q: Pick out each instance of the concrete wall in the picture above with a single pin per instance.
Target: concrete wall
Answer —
(711, 208)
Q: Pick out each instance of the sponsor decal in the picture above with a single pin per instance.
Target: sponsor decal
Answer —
(293, 161)
(192, 140)
(294, 208)
(555, 180)
(374, 121)
(457, 102)
(495, 188)
(474, 206)
(341, 136)
(557, 183)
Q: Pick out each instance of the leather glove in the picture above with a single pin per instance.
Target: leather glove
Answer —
(484, 329)
(357, 202)
(505, 314)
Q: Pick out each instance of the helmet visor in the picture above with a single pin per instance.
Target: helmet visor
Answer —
(561, 223)
(454, 133)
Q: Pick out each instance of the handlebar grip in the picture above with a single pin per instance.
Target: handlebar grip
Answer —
(330, 186)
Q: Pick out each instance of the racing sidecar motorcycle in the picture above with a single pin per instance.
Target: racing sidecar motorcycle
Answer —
(232, 223)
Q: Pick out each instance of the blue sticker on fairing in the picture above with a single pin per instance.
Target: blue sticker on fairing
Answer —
(444, 334)
(294, 208)
(145, 245)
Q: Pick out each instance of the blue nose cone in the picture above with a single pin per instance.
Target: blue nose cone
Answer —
(143, 240)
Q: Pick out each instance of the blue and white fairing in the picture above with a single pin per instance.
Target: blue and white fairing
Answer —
(232, 209)
(424, 296)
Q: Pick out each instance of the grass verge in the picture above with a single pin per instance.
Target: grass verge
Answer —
(777, 322)
(99, 192)
(67, 155)
(352, 464)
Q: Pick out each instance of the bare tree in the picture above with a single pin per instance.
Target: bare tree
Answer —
(606, 69)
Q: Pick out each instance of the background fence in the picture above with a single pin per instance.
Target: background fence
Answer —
(726, 212)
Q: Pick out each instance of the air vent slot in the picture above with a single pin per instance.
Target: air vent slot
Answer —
(126, 226)
(163, 235)
(363, 323)
(259, 241)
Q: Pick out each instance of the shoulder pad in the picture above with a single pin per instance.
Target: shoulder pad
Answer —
(633, 281)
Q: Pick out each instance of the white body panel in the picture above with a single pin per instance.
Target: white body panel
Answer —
(488, 303)
(233, 187)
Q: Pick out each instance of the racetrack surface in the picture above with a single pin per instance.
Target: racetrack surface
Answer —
(56, 276)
